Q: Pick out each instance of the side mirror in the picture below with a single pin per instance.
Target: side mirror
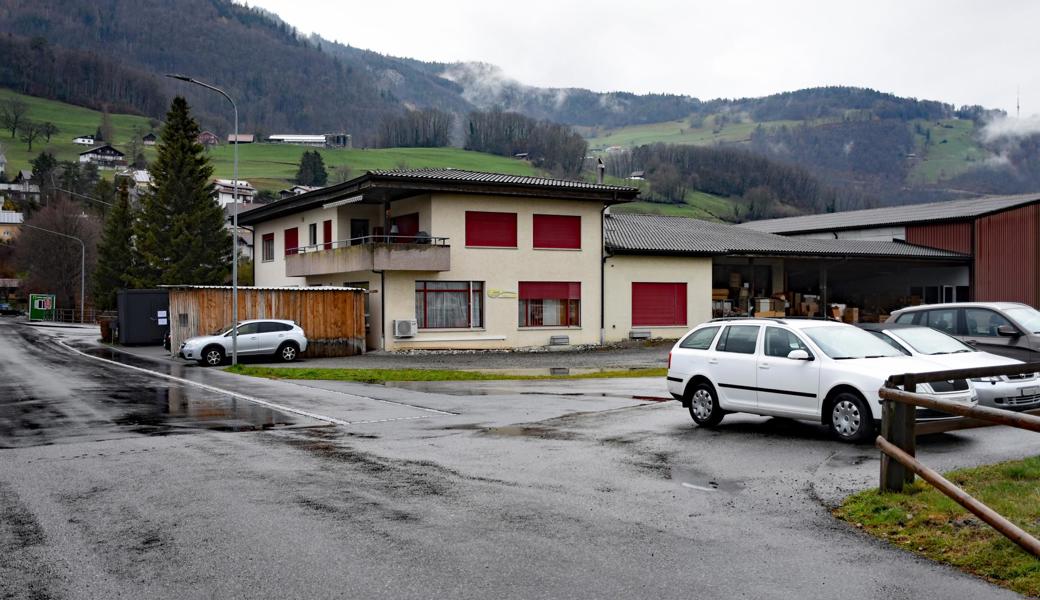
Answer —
(1007, 331)
(799, 355)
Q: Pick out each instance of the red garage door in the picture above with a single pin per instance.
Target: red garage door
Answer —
(658, 304)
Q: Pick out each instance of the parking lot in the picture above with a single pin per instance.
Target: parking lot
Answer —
(576, 488)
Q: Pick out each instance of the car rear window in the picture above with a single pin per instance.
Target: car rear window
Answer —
(741, 339)
(700, 339)
(272, 327)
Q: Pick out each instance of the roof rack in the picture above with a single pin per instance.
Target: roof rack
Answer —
(776, 319)
(816, 319)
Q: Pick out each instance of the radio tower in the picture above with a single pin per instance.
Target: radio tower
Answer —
(1018, 103)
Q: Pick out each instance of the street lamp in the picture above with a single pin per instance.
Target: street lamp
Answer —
(82, 268)
(234, 217)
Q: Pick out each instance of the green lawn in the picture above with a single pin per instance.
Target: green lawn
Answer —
(266, 166)
(676, 132)
(384, 375)
(926, 522)
(699, 205)
(952, 151)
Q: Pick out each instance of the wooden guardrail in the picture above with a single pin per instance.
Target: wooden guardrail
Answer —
(899, 430)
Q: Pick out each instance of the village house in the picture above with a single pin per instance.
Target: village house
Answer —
(149, 139)
(224, 192)
(10, 222)
(242, 138)
(296, 190)
(208, 138)
(84, 140)
(139, 181)
(22, 188)
(105, 157)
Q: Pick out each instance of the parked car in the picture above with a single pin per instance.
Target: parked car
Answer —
(283, 339)
(1009, 329)
(1015, 392)
(823, 371)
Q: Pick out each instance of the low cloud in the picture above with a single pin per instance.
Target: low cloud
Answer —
(1009, 128)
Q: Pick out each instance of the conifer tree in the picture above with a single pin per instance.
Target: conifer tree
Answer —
(115, 254)
(180, 237)
(312, 169)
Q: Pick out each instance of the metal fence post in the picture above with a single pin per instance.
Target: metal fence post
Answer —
(898, 425)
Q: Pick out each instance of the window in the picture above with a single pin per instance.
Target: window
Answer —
(943, 320)
(700, 339)
(660, 304)
(449, 304)
(268, 247)
(292, 240)
(741, 339)
(273, 327)
(550, 304)
(557, 231)
(780, 342)
(247, 329)
(984, 322)
(906, 318)
(312, 234)
(491, 229)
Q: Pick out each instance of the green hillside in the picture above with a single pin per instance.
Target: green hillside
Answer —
(701, 132)
(266, 166)
(945, 149)
(698, 205)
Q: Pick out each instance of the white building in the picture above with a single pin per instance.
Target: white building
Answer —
(84, 140)
(224, 191)
(298, 139)
(105, 157)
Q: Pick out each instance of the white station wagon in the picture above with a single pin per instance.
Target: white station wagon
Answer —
(822, 371)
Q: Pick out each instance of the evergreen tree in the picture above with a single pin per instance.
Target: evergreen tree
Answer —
(115, 256)
(312, 169)
(180, 237)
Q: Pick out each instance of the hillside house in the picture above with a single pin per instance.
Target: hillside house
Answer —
(242, 138)
(296, 190)
(10, 222)
(105, 157)
(149, 139)
(84, 140)
(139, 181)
(224, 192)
(22, 188)
(298, 139)
(208, 138)
(245, 234)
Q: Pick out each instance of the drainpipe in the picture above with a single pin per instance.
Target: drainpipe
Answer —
(603, 214)
(382, 309)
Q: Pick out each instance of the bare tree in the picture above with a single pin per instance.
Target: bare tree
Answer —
(52, 262)
(12, 113)
(48, 129)
(28, 132)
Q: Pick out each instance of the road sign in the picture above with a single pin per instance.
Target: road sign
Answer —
(41, 307)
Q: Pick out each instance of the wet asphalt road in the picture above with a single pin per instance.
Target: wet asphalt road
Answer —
(546, 490)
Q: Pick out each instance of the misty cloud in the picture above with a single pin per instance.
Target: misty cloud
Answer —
(1009, 128)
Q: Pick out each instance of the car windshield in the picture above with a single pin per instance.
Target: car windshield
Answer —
(222, 331)
(1027, 316)
(842, 343)
(926, 340)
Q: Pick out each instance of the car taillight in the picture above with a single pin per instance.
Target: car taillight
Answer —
(669, 360)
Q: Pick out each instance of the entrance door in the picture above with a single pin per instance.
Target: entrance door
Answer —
(326, 232)
(358, 230)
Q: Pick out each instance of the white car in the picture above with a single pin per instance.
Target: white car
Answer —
(283, 339)
(823, 371)
(1012, 392)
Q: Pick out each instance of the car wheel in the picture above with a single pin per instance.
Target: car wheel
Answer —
(288, 352)
(704, 405)
(851, 419)
(212, 357)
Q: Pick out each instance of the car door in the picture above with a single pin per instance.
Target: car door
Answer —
(734, 366)
(272, 334)
(692, 354)
(981, 326)
(787, 385)
(248, 339)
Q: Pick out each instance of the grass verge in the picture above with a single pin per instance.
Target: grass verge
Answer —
(928, 523)
(384, 375)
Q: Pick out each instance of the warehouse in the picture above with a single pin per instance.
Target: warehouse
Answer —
(999, 233)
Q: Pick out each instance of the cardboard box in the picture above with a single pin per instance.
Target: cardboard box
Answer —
(851, 315)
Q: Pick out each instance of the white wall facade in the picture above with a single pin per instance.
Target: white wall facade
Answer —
(621, 272)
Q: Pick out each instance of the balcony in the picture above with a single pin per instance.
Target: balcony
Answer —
(371, 253)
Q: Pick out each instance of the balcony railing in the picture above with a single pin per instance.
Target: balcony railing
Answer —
(370, 253)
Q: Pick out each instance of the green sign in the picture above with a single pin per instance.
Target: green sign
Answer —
(41, 307)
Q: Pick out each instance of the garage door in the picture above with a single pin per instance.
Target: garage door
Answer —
(658, 304)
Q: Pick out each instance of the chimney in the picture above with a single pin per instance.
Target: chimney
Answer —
(600, 168)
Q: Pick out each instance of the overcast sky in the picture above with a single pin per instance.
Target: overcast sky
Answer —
(955, 51)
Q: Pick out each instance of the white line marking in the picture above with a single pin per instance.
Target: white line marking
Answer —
(697, 487)
(356, 397)
(211, 388)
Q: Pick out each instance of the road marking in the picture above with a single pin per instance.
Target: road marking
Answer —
(211, 388)
(356, 397)
(697, 487)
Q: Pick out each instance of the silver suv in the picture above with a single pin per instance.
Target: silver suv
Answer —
(1009, 329)
(284, 339)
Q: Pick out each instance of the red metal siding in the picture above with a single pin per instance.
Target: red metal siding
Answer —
(494, 229)
(1006, 256)
(658, 304)
(557, 231)
(955, 237)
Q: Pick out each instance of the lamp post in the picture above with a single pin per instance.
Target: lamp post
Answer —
(234, 217)
(82, 268)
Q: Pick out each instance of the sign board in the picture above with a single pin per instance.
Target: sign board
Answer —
(41, 307)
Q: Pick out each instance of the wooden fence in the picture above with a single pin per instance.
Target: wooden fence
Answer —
(332, 318)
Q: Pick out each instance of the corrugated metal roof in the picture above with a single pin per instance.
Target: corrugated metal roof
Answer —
(651, 234)
(949, 210)
(450, 175)
(11, 217)
(315, 288)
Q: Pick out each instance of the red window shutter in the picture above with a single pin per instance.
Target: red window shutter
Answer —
(292, 240)
(557, 231)
(658, 304)
(550, 290)
(327, 233)
(493, 229)
(407, 227)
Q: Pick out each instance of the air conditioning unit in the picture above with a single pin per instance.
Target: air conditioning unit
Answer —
(405, 328)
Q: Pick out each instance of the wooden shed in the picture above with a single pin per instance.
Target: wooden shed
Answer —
(332, 317)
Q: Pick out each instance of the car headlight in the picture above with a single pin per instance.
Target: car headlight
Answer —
(988, 379)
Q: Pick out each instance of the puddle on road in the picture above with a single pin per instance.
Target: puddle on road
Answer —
(703, 482)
